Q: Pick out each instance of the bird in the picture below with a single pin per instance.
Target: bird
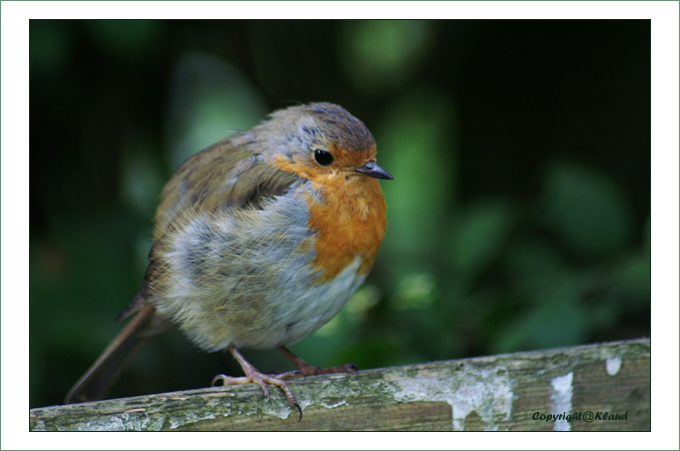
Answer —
(259, 240)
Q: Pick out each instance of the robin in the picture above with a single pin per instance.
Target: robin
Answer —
(260, 240)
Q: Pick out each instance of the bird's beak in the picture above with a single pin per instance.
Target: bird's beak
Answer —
(371, 169)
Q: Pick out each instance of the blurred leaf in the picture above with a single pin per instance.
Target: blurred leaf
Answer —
(532, 264)
(415, 291)
(379, 54)
(586, 209)
(478, 236)
(366, 297)
(141, 177)
(416, 142)
(124, 38)
(603, 315)
(557, 323)
(550, 293)
(632, 281)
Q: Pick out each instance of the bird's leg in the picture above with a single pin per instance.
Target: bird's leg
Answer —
(252, 375)
(308, 370)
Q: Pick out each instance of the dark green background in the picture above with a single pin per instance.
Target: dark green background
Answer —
(519, 217)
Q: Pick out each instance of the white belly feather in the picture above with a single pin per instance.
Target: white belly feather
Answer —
(242, 278)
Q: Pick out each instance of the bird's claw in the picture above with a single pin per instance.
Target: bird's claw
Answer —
(263, 380)
(297, 406)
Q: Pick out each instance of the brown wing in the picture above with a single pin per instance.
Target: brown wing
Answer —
(227, 175)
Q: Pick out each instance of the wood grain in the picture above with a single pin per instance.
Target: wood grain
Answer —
(503, 392)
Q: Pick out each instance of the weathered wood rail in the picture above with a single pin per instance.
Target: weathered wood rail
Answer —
(611, 381)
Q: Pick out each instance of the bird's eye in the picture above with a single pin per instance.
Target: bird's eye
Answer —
(322, 157)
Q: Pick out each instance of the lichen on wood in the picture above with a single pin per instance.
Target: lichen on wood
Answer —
(504, 392)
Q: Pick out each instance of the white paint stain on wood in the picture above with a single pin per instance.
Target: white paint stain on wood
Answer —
(613, 366)
(488, 392)
(563, 391)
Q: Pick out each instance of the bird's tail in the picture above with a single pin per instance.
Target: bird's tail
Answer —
(101, 376)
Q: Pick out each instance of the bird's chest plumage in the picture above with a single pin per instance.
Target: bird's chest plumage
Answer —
(267, 276)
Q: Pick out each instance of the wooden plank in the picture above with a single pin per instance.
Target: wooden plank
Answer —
(504, 392)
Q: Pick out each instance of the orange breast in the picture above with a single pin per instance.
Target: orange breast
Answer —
(347, 212)
(349, 221)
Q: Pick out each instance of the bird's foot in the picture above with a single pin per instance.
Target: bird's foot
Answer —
(253, 375)
(308, 370)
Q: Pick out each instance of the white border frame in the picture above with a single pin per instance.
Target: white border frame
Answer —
(15, 238)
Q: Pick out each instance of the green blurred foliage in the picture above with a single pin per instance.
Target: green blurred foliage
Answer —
(383, 54)
(586, 210)
(519, 217)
